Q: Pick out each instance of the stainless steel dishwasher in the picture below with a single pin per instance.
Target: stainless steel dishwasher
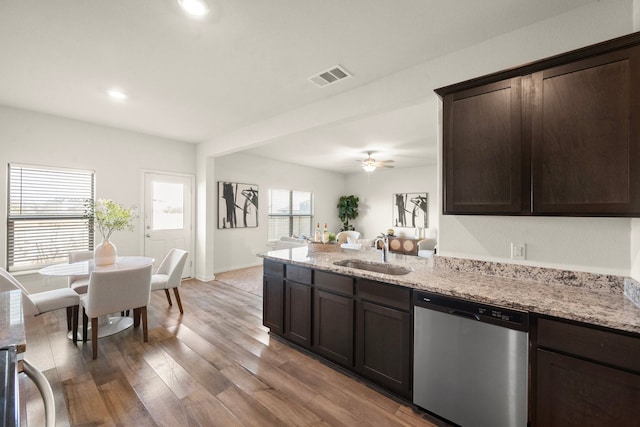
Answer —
(470, 361)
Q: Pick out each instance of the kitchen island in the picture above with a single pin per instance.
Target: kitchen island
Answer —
(589, 298)
(584, 333)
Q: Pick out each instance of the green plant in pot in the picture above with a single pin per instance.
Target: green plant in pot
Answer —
(347, 210)
(108, 216)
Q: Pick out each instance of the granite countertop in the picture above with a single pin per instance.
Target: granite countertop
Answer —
(590, 298)
(11, 321)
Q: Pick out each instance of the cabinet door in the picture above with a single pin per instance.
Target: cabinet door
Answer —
(273, 304)
(333, 327)
(585, 136)
(482, 137)
(384, 347)
(297, 313)
(574, 392)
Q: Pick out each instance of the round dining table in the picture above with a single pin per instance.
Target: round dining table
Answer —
(111, 324)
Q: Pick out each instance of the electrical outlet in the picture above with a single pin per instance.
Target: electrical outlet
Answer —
(518, 250)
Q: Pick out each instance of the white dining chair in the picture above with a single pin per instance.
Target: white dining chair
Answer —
(81, 282)
(169, 275)
(344, 236)
(34, 304)
(427, 246)
(114, 291)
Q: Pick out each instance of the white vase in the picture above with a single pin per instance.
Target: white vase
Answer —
(105, 253)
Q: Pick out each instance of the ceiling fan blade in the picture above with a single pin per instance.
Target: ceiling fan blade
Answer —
(384, 166)
(384, 161)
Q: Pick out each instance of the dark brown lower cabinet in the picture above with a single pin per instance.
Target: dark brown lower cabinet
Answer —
(586, 376)
(333, 327)
(273, 304)
(363, 325)
(383, 346)
(575, 392)
(297, 313)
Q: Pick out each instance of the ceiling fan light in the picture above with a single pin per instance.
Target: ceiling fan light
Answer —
(194, 7)
(369, 167)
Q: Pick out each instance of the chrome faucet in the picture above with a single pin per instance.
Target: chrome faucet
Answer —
(385, 245)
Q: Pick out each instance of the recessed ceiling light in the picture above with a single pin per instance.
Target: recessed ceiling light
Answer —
(194, 7)
(117, 94)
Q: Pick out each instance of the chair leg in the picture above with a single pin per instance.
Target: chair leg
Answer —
(145, 334)
(177, 295)
(69, 318)
(74, 321)
(85, 324)
(136, 317)
(94, 337)
(166, 292)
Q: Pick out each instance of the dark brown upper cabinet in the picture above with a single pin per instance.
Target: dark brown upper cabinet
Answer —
(482, 149)
(585, 149)
(558, 136)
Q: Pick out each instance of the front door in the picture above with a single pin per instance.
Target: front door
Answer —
(168, 207)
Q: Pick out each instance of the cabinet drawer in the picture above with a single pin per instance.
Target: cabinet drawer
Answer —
(334, 283)
(272, 268)
(381, 293)
(602, 346)
(299, 274)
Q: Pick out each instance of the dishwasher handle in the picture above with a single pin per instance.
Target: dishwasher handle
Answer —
(500, 316)
(464, 314)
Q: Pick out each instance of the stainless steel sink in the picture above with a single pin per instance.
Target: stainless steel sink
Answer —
(376, 267)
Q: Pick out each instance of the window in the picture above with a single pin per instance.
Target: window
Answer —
(290, 213)
(46, 215)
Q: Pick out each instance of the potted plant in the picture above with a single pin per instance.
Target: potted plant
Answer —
(347, 210)
(108, 216)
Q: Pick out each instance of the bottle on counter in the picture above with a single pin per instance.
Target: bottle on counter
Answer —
(317, 236)
(325, 234)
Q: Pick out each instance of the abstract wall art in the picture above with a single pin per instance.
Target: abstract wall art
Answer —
(411, 210)
(237, 205)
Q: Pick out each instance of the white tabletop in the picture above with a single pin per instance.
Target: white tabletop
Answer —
(86, 267)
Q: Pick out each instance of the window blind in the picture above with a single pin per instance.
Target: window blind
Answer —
(46, 215)
(290, 213)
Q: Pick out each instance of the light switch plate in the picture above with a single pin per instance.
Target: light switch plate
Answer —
(518, 251)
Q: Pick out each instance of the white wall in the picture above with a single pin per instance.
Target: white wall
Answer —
(237, 248)
(635, 249)
(376, 191)
(116, 156)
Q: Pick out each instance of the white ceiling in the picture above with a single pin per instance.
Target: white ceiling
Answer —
(195, 80)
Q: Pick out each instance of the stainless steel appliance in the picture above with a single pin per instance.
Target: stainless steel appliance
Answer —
(470, 361)
(9, 403)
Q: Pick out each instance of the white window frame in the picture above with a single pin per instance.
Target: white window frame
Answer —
(46, 214)
(290, 214)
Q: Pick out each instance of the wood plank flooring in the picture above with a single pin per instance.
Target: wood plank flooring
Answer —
(216, 365)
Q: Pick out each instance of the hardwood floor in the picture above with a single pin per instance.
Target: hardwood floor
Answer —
(214, 366)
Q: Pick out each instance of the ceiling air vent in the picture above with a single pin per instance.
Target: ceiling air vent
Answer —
(332, 75)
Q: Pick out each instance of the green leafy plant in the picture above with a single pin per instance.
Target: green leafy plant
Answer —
(347, 210)
(108, 216)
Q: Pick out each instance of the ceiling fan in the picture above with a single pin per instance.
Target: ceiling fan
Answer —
(370, 164)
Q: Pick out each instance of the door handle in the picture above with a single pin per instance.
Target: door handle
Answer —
(148, 234)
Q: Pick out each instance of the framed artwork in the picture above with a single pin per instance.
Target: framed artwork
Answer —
(411, 210)
(237, 205)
